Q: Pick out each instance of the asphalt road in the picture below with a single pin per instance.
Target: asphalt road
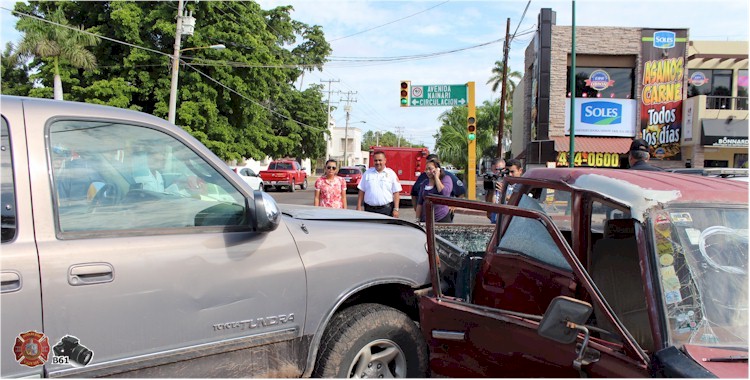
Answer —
(306, 197)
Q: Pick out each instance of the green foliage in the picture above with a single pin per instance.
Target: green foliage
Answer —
(451, 142)
(14, 73)
(245, 112)
(371, 138)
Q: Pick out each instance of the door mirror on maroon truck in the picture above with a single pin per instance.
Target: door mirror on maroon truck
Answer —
(561, 317)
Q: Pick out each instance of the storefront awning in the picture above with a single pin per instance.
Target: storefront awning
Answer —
(724, 133)
(618, 145)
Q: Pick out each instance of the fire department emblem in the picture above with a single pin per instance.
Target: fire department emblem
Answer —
(31, 349)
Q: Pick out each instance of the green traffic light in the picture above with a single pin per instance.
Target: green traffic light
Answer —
(472, 136)
(404, 101)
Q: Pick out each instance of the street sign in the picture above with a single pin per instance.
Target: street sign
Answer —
(438, 95)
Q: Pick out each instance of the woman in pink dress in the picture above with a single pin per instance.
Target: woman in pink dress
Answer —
(330, 189)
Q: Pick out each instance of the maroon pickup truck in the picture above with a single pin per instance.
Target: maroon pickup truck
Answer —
(284, 173)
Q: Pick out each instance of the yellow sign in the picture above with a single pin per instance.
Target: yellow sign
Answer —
(591, 159)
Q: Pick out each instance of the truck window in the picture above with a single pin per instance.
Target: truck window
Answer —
(110, 176)
(7, 193)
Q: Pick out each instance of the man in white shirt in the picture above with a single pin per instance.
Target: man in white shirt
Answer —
(379, 189)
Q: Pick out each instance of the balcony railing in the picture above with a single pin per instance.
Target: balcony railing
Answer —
(726, 103)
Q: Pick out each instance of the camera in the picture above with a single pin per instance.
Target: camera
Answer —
(491, 178)
(69, 346)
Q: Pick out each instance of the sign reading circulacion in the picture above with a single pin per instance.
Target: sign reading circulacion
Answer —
(438, 95)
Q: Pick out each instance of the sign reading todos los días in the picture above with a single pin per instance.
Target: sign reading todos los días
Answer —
(662, 91)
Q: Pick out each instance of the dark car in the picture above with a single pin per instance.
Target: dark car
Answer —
(352, 175)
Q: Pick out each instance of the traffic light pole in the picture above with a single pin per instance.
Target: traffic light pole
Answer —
(471, 176)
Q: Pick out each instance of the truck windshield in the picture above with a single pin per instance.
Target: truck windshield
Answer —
(703, 259)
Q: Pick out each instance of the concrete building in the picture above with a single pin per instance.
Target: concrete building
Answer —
(630, 83)
(349, 140)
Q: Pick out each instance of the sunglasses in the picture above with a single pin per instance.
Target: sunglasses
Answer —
(331, 167)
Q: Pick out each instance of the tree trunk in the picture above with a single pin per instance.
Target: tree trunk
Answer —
(58, 88)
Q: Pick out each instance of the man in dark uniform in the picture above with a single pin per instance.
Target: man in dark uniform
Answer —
(638, 156)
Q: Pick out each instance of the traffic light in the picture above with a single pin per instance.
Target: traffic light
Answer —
(471, 128)
(405, 88)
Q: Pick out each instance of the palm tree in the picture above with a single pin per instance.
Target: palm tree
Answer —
(497, 79)
(63, 45)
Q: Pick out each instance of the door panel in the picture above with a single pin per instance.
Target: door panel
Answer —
(154, 261)
(494, 333)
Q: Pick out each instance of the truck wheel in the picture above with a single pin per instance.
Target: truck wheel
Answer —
(371, 340)
(291, 187)
(303, 186)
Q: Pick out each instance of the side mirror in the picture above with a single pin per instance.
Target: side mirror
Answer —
(561, 318)
(267, 213)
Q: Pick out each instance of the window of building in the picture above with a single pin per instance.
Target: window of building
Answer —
(603, 82)
(716, 84)
(742, 89)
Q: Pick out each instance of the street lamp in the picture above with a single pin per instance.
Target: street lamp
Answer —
(346, 136)
(176, 69)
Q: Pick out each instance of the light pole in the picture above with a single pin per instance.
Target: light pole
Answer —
(176, 62)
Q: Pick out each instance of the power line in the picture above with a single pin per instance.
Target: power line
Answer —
(388, 23)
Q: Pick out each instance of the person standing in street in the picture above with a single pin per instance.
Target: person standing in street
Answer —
(638, 156)
(497, 170)
(515, 169)
(379, 188)
(330, 189)
(437, 183)
(459, 189)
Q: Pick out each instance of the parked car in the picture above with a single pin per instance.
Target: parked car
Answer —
(593, 273)
(188, 273)
(352, 175)
(249, 176)
(284, 173)
(361, 167)
(737, 174)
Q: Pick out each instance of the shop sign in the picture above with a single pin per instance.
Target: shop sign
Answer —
(731, 142)
(599, 80)
(590, 159)
(661, 94)
(598, 117)
(698, 79)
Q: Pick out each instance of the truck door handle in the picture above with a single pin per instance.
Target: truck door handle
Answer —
(90, 273)
(448, 335)
(11, 281)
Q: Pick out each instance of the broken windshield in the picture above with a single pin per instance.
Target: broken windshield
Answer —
(703, 258)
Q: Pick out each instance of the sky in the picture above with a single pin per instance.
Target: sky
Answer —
(380, 29)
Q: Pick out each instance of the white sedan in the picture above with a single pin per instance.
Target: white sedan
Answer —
(249, 176)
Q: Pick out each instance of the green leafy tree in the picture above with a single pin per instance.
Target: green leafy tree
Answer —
(497, 79)
(240, 101)
(378, 138)
(451, 141)
(14, 73)
(56, 44)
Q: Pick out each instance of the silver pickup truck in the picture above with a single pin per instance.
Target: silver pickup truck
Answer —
(130, 250)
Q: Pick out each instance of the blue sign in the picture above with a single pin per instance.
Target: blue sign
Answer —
(664, 39)
(601, 113)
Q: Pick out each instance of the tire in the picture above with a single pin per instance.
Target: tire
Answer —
(266, 188)
(303, 186)
(371, 340)
(292, 186)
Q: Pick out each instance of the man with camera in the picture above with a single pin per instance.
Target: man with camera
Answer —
(493, 178)
(511, 168)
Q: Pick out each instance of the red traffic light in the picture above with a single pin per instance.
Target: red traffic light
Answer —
(404, 85)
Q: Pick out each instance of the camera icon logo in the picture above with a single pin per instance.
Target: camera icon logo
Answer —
(69, 351)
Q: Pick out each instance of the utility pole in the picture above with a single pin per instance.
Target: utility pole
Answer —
(501, 122)
(348, 109)
(175, 64)
(328, 125)
(398, 132)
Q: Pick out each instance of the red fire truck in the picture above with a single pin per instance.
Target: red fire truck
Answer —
(408, 163)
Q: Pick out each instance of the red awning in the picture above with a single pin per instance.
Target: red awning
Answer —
(618, 145)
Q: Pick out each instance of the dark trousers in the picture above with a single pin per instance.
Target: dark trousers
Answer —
(386, 209)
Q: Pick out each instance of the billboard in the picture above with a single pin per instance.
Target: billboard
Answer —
(602, 117)
(662, 90)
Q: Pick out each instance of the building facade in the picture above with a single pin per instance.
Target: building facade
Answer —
(631, 83)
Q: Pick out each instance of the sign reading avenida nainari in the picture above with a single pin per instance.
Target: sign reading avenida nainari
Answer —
(662, 90)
